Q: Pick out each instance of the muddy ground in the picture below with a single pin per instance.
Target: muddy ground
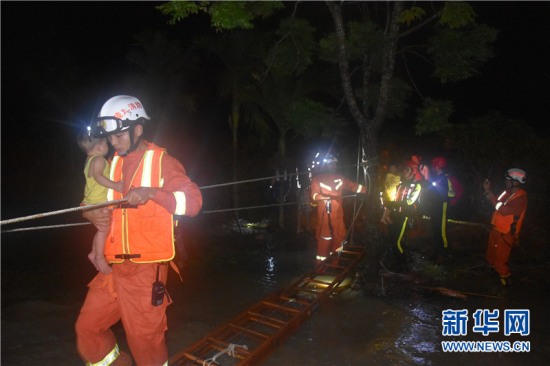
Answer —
(387, 319)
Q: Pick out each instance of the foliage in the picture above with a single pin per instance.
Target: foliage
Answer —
(494, 140)
(410, 15)
(457, 14)
(433, 116)
(294, 51)
(459, 53)
(226, 15)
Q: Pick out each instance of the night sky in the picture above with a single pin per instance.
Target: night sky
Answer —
(78, 49)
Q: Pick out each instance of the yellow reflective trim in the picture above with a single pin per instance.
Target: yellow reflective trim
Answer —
(109, 359)
(359, 188)
(444, 225)
(180, 203)
(401, 235)
(147, 168)
(110, 191)
(321, 258)
(414, 195)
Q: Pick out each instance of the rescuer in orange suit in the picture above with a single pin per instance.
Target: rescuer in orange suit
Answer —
(140, 243)
(507, 219)
(326, 190)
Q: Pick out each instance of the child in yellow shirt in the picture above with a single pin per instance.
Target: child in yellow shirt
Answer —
(96, 171)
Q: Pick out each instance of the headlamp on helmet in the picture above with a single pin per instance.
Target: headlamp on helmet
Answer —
(319, 161)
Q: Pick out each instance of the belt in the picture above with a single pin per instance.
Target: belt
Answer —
(127, 256)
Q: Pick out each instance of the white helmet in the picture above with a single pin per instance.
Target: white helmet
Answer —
(516, 174)
(117, 115)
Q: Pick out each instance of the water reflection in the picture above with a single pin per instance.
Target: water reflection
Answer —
(418, 337)
(269, 277)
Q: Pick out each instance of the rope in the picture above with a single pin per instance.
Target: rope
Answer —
(230, 350)
(109, 203)
(58, 212)
(44, 227)
(203, 212)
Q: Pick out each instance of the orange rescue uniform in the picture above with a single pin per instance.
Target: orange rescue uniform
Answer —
(507, 220)
(140, 244)
(331, 230)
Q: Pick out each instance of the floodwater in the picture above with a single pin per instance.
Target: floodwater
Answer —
(385, 321)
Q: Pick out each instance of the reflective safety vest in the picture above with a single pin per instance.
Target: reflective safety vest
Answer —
(505, 224)
(408, 192)
(144, 233)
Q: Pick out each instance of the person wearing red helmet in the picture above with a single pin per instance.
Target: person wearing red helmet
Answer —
(507, 219)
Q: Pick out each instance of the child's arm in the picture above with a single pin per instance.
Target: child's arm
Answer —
(96, 170)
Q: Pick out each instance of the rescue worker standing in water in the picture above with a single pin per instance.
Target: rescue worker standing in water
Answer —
(140, 243)
(507, 219)
(326, 190)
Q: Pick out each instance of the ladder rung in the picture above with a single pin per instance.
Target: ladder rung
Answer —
(334, 265)
(250, 331)
(267, 320)
(294, 300)
(280, 307)
(319, 281)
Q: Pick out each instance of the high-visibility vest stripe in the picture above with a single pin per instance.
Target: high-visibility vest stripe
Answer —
(146, 175)
(110, 191)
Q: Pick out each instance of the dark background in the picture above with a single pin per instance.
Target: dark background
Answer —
(62, 60)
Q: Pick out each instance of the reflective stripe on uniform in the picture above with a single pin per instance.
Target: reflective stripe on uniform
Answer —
(110, 191)
(326, 237)
(320, 258)
(324, 186)
(109, 359)
(399, 246)
(338, 183)
(359, 188)
(444, 225)
(147, 168)
(180, 203)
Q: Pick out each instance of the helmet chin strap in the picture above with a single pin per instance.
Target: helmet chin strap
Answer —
(133, 145)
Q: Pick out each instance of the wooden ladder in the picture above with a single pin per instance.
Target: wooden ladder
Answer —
(256, 332)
